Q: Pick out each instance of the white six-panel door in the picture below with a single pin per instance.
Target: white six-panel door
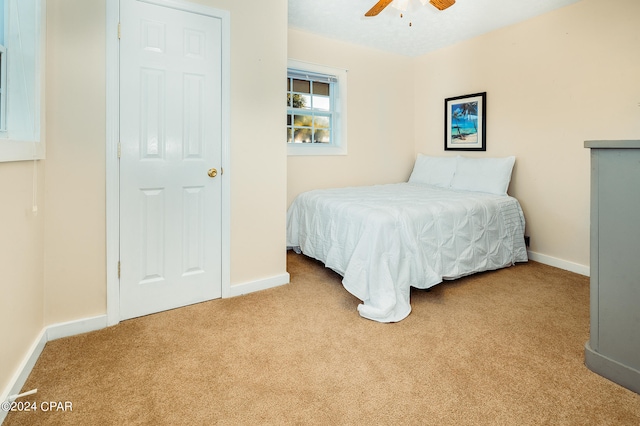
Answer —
(170, 135)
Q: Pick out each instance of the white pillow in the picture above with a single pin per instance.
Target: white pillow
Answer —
(437, 171)
(483, 174)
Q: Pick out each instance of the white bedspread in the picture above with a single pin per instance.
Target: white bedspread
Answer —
(384, 239)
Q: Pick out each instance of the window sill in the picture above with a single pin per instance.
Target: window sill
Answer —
(314, 149)
(11, 150)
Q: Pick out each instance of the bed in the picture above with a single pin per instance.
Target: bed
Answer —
(452, 218)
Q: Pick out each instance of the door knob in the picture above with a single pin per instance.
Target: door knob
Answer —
(212, 173)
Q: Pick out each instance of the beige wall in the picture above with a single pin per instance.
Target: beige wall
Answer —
(380, 115)
(54, 263)
(258, 156)
(21, 252)
(552, 82)
(74, 263)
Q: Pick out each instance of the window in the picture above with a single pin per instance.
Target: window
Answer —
(316, 109)
(309, 119)
(21, 79)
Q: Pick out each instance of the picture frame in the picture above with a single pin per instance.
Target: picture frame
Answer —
(465, 119)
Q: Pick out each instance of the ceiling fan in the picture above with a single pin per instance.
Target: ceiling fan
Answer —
(378, 7)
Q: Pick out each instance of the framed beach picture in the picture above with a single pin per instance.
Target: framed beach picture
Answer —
(465, 120)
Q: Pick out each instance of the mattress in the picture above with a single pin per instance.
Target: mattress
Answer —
(385, 239)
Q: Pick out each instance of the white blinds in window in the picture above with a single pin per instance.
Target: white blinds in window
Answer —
(311, 76)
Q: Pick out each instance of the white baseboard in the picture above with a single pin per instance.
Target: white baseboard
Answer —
(263, 284)
(22, 374)
(71, 328)
(52, 332)
(559, 263)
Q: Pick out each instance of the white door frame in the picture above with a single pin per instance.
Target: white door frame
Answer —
(112, 139)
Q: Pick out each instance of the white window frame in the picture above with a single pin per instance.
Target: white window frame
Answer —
(25, 141)
(3, 89)
(338, 145)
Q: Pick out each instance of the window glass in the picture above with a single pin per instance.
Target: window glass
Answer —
(321, 88)
(302, 120)
(302, 136)
(307, 98)
(21, 78)
(321, 136)
(316, 109)
(301, 86)
(321, 122)
(322, 103)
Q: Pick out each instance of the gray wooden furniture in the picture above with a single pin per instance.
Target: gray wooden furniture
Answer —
(613, 350)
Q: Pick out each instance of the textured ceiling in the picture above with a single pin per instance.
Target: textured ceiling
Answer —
(430, 28)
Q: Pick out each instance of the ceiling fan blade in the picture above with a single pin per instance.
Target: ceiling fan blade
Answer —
(378, 7)
(442, 4)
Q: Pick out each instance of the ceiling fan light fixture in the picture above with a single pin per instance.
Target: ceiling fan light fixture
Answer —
(442, 4)
(405, 5)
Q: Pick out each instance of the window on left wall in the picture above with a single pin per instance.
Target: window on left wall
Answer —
(21, 79)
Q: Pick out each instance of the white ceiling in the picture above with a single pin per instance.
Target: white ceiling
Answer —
(431, 29)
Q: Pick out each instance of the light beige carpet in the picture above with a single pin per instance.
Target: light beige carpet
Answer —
(496, 348)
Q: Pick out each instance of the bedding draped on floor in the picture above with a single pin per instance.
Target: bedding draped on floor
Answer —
(384, 239)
